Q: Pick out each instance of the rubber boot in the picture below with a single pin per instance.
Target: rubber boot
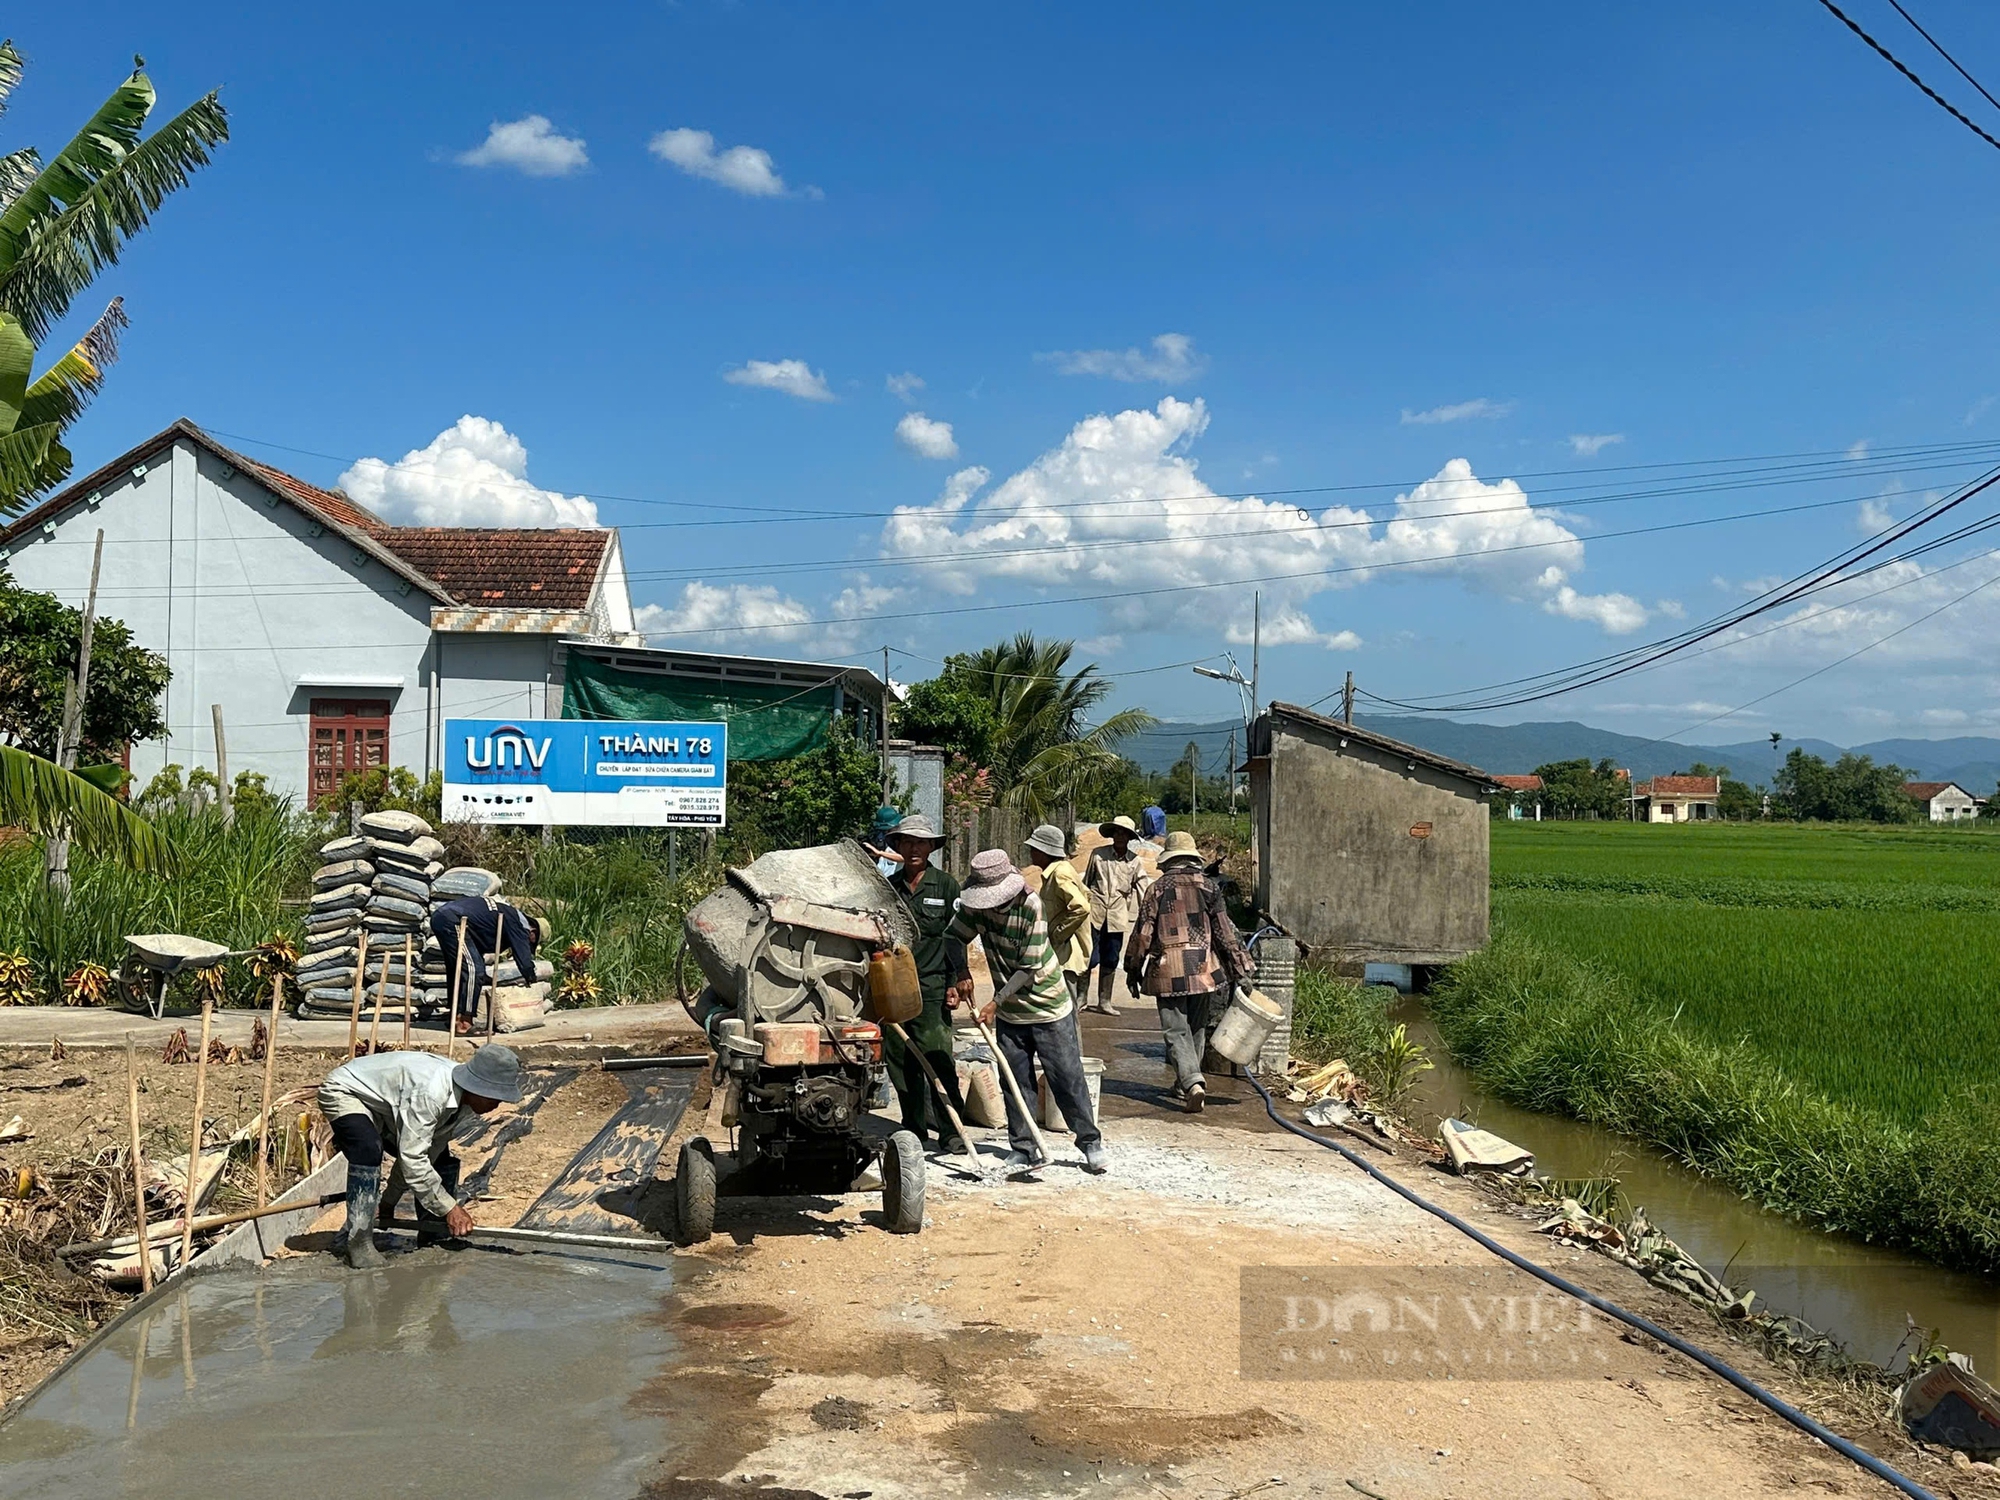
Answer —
(364, 1196)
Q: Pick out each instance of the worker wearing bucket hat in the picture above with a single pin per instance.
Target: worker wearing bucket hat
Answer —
(1065, 905)
(1033, 1024)
(878, 843)
(1115, 880)
(409, 1105)
(1186, 954)
(930, 896)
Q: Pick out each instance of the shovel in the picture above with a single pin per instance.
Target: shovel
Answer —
(978, 1165)
(1018, 982)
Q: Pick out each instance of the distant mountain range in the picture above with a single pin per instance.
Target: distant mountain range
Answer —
(1972, 762)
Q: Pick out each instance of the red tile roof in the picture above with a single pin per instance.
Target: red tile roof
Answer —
(330, 503)
(514, 569)
(1519, 783)
(1681, 786)
(1923, 791)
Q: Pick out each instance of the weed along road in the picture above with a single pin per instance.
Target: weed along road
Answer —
(1181, 1325)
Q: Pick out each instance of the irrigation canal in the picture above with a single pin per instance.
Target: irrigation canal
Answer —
(1862, 1295)
(436, 1376)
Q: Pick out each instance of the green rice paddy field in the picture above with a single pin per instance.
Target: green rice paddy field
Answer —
(1863, 963)
(1809, 1013)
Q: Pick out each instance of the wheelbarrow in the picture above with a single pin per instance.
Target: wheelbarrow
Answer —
(152, 960)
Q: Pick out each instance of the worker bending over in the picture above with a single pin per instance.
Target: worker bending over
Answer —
(1186, 954)
(409, 1105)
(489, 923)
(1036, 1022)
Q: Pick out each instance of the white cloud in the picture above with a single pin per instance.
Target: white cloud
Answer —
(1616, 614)
(1857, 450)
(741, 169)
(1460, 411)
(1590, 444)
(792, 376)
(1979, 409)
(1945, 718)
(905, 385)
(530, 145)
(1874, 516)
(1171, 360)
(711, 612)
(925, 437)
(1119, 503)
(474, 473)
(1671, 609)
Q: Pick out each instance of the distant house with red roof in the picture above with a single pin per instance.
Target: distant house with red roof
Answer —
(1943, 801)
(1678, 799)
(336, 642)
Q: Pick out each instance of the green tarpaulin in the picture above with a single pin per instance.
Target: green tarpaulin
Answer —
(767, 721)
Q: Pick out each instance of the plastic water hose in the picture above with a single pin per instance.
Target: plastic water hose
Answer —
(1701, 1357)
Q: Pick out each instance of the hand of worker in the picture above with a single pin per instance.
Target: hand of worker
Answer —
(459, 1223)
(987, 1012)
(961, 993)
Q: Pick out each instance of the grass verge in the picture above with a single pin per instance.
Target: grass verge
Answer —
(1548, 1032)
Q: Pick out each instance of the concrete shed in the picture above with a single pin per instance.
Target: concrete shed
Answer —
(1370, 850)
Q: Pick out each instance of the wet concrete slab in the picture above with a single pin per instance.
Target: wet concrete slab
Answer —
(477, 1373)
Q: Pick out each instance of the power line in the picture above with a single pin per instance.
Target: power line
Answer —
(1897, 63)
(1938, 47)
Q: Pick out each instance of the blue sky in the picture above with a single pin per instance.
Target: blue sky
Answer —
(1161, 254)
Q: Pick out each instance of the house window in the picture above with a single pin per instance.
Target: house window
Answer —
(348, 734)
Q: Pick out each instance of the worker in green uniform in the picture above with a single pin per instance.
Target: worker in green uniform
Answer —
(931, 898)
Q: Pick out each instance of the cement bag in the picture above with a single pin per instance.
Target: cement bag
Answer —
(521, 1009)
(395, 827)
(984, 1102)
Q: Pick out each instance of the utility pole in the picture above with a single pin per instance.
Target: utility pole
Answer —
(222, 771)
(69, 737)
(1231, 768)
(1256, 640)
(1347, 701)
(1194, 801)
(885, 726)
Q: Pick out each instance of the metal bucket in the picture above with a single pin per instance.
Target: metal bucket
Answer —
(1245, 1026)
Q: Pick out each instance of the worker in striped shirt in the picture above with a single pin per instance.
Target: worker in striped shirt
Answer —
(1033, 1023)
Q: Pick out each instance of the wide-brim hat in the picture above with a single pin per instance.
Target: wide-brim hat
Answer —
(992, 882)
(493, 1072)
(1049, 840)
(1180, 845)
(886, 819)
(917, 826)
(1118, 825)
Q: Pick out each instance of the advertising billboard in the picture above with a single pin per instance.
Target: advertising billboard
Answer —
(610, 773)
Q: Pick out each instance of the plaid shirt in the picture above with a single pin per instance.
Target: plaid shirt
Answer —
(1185, 929)
(1015, 937)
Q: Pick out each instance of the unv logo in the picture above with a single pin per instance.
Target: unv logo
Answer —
(505, 746)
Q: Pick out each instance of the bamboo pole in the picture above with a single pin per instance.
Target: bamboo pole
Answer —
(202, 1225)
(457, 976)
(270, 1076)
(409, 995)
(493, 972)
(360, 987)
(381, 988)
(194, 1142)
(138, 1162)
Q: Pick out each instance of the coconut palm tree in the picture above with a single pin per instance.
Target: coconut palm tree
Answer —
(1051, 751)
(62, 222)
(40, 797)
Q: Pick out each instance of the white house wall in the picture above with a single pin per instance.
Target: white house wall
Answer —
(251, 609)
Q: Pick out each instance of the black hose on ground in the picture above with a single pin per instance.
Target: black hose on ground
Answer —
(1674, 1341)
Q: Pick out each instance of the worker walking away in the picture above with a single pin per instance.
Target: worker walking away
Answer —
(1186, 954)
(1115, 880)
(408, 1105)
(1065, 906)
(1036, 1022)
(930, 896)
(490, 923)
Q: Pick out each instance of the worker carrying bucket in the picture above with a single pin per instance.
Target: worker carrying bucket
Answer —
(1186, 954)
(409, 1105)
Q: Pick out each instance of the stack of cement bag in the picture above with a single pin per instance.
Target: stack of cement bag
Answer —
(373, 891)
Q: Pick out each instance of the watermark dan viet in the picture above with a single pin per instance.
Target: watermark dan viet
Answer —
(1415, 1323)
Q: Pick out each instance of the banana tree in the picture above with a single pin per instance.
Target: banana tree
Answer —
(40, 797)
(61, 224)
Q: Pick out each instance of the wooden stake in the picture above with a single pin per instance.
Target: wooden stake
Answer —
(194, 1146)
(360, 984)
(118, 1243)
(222, 769)
(409, 997)
(493, 972)
(457, 975)
(381, 988)
(270, 1073)
(138, 1162)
